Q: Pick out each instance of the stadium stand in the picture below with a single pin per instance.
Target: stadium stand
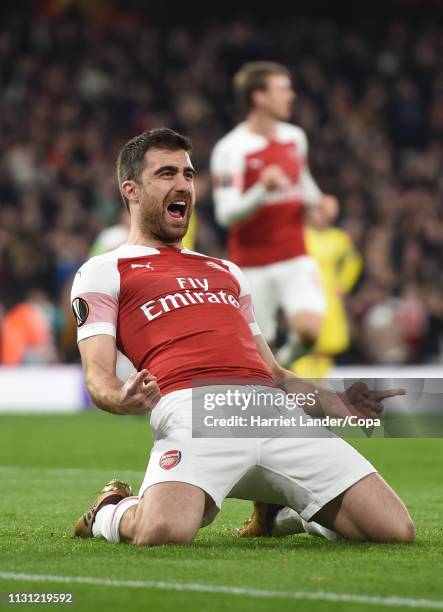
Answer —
(76, 85)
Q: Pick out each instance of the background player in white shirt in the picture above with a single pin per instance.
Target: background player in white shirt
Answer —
(262, 183)
(181, 316)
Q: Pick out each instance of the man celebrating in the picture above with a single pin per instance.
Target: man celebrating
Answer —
(261, 185)
(182, 317)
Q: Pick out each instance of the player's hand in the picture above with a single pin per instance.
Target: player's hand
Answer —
(329, 204)
(360, 401)
(140, 393)
(272, 177)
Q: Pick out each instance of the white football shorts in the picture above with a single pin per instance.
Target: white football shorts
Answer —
(302, 473)
(293, 284)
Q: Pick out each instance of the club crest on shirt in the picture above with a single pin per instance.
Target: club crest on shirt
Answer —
(170, 459)
(80, 309)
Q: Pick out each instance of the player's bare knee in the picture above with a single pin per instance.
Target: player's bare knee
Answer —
(403, 531)
(399, 525)
(409, 531)
(394, 529)
(162, 533)
(155, 535)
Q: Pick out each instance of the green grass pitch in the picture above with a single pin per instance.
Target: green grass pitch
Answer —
(52, 466)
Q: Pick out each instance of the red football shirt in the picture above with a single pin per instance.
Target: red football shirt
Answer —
(181, 315)
(271, 229)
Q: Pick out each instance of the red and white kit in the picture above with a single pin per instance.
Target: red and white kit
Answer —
(177, 313)
(184, 317)
(265, 235)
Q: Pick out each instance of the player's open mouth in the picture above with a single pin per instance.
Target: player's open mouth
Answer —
(177, 209)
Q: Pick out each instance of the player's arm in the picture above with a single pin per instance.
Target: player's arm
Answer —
(232, 204)
(139, 394)
(358, 400)
(95, 297)
(288, 380)
(283, 378)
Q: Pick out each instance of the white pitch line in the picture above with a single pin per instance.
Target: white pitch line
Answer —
(230, 590)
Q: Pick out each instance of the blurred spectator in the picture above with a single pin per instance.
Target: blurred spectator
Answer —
(26, 332)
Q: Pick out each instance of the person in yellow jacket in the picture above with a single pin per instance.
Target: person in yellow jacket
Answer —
(340, 267)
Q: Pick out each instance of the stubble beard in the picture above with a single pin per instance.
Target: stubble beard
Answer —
(152, 223)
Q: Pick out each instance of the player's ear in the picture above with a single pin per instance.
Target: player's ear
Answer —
(257, 97)
(131, 191)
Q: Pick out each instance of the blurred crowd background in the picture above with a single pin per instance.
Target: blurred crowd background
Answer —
(79, 79)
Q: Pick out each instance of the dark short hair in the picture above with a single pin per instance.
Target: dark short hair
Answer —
(253, 76)
(131, 159)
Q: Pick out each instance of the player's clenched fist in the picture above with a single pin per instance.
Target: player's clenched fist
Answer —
(273, 177)
(140, 393)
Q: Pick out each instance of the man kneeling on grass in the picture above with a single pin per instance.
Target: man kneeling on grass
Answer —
(181, 316)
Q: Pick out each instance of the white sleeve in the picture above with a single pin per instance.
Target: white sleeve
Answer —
(310, 192)
(231, 204)
(94, 298)
(245, 298)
